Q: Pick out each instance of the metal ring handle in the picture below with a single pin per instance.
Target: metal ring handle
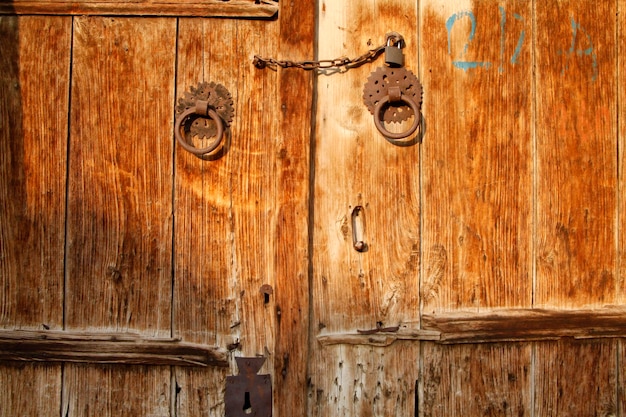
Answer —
(379, 123)
(188, 146)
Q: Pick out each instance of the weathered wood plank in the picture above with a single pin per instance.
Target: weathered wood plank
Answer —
(247, 208)
(120, 198)
(486, 380)
(576, 154)
(621, 144)
(30, 389)
(33, 153)
(498, 326)
(356, 166)
(103, 348)
(621, 192)
(264, 9)
(576, 197)
(527, 324)
(34, 92)
(353, 168)
(291, 161)
(575, 378)
(207, 302)
(115, 390)
(477, 180)
(477, 164)
(119, 256)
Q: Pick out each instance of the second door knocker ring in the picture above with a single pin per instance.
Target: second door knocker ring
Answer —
(395, 97)
(204, 112)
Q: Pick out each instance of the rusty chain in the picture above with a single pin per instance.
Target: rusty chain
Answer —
(392, 39)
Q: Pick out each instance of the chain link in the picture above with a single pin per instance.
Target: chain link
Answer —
(392, 38)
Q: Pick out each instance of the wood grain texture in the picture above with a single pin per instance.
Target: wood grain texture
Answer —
(34, 103)
(353, 168)
(247, 209)
(264, 9)
(527, 324)
(119, 260)
(356, 166)
(30, 389)
(575, 378)
(476, 196)
(208, 284)
(105, 348)
(621, 374)
(34, 91)
(621, 146)
(366, 381)
(576, 154)
(120, 198)
(486, 380)
(576, 198)
(292, 169)
(116, 390)
(476, 156)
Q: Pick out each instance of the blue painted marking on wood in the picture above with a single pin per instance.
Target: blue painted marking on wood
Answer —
(502, 35)
(461, 64)
(452, 20)
(581, 52)
(520, 41)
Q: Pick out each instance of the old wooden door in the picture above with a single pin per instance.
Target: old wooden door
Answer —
(132, 273)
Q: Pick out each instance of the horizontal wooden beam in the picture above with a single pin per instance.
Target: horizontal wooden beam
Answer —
(514, 325)
(263, 9)
(105, 348)
(527, 324)
(377, 339)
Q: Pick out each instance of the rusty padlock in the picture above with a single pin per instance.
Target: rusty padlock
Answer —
(394, 57)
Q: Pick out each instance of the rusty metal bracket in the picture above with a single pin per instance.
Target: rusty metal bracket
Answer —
(248, 394)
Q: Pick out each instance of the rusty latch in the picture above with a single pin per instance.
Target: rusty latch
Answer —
(248, 394)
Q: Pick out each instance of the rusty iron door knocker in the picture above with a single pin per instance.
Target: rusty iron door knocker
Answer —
(204, 112)
(393, 93)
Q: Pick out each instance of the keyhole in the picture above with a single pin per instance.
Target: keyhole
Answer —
(247, 407)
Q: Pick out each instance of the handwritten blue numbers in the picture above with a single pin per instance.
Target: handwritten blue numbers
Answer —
(581, 45)
(578, 51)
(465, 65)
(520, 39)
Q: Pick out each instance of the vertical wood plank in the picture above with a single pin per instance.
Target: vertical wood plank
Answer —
(477, 196)
(30, 389)
(291, 226)
(242, 217)
(207, 300)
(120, 198)
(486, 380)
(576, 154)
(621, 146)
(576, 197)
(576, 378)
(116, 390)
(477, 156)
(34, 103)
(621, 200)
(356, 166)
(120, 203)
(34, 87)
